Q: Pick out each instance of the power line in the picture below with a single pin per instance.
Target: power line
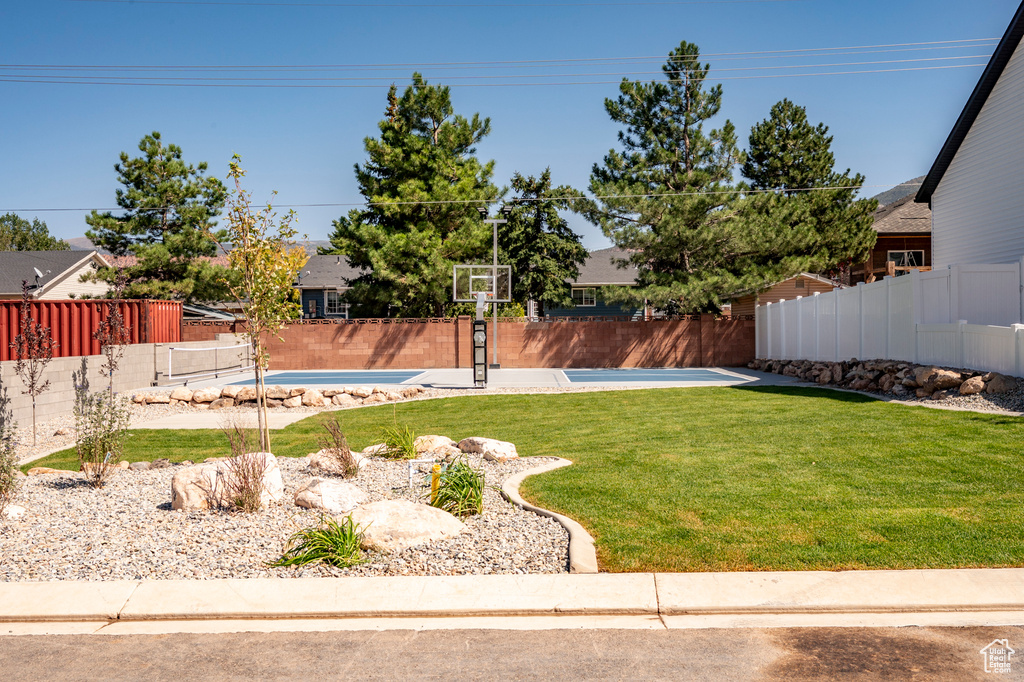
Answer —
(55, 81)
(431, 5)
(491, 201)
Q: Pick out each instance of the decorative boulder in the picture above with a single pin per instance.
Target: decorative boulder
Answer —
(296, 391)
(139, 466)
(39, 471)
(325, 462)
(394, 525)
(221, 403)
(158, 399)
(372, 450)
(182, 393)
(209, 485)
(411, 391)
(1000, 383)
(392, 396)
(230, 392)
(161, 463)
(972, 386)
(374, 398)
(294, 401)
(431, 443)
(345, 400)
(313, 398)
(934, 379)
(491, 449)
(362, 392)
(330, 392)
(246, 395)
(205, 395)
(278, 393)
(337, 497)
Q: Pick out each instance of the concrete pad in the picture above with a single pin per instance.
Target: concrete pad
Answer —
(167, 627)
(982, 589)
(408, 596)
(845, 620)
(54, 628)
(63, 601)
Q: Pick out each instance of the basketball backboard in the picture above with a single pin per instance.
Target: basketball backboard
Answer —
(470, 280)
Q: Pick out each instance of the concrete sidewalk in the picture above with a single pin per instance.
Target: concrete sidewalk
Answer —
(623, 600)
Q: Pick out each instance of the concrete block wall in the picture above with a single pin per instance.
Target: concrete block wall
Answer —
(699, 341)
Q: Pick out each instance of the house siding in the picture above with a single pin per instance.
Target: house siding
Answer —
(783, 291)
(602, 309)
(978, 206)
(72, 284)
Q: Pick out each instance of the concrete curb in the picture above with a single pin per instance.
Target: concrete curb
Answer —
(582, 555)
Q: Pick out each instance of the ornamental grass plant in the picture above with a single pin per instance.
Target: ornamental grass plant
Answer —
(335, 445)
(335, 544)
(460, 489)
(399, 442)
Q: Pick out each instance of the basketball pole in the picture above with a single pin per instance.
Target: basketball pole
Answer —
(505, 210)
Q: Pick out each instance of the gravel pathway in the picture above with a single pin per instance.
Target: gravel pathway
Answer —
(127, 531)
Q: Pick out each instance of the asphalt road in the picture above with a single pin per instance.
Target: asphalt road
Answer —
(795, 654)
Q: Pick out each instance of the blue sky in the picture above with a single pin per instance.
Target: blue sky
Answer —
(59, 141)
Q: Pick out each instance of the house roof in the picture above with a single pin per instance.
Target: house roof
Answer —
(982, 90)
(326, 272)
(600, 269)
(904, 216)
(19, 266)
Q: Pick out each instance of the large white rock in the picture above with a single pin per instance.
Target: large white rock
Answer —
(431, 443)
(205, 395)
(313, 398)
(158, 399)
(294, 401)
(13, 512)
(326, 463)
(337, 497)
(183, 393)
(374, 450)
(209, 485)
(394, 525)
(491, 449)
(361, 392)
(278, 392)
(230, 392)
(345, 400)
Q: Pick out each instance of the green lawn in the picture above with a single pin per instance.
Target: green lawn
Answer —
(730, 479)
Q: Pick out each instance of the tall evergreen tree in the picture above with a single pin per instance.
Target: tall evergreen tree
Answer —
(169, 210)
(539, 245)
(18, 234)
(422, 182)
(789, 155)
(667, 196)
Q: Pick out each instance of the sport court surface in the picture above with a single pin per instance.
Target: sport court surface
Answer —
(462, 378)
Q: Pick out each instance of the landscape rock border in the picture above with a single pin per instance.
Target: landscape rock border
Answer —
(582, 553)
(213, 398)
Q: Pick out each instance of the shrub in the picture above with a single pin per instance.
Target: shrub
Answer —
(399, 442)
(335, 544)
(8, 468)
(101, 426)
(460, 490)
(335, 445)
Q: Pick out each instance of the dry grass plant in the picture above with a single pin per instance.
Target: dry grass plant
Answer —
(335, 445)
(243, 480)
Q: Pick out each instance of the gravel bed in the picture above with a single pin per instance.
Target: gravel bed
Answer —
(127, 531)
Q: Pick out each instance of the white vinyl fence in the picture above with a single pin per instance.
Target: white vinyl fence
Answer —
(962, 316)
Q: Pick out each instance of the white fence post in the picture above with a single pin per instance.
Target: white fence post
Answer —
(954, 292)
(799, 329)
(888, 322)
(768, 330)
(835, 296)
(1018, 343)
(817, 326)
(916, 303)
(960, 351)
(1020, 293)
(860, 309)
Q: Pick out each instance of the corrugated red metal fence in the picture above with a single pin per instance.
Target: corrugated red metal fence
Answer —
(73, 323)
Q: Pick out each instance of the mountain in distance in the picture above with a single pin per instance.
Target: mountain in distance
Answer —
(83, 244)
(904, 189)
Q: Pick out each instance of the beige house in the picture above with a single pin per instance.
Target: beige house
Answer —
(50, 275)
(804, 284)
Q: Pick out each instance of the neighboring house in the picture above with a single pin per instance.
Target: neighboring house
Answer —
(598, 271)
(323, 283)
(975, 188)
(51, 275)
(804, 284)
(904, 242)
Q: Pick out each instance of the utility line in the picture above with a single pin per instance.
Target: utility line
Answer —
(429, 5)
(523, 200)
(55, 80)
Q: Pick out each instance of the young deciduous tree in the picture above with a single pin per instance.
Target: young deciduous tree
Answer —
(265, 261)
(18, 234)
(539, 245)
(423, 183)
(668, 197)
(169, 210)
(33, 349)
(112, 332)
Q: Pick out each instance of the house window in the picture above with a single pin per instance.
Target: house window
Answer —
(335, 306)
(584, 296)
(913, 259)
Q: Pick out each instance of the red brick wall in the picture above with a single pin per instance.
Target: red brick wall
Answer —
(436, 343)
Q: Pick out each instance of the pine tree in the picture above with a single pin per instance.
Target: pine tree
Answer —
(789, 155)
(169, 210)
(18, 234)
(423, 184)
(667, 196)
(537, 242)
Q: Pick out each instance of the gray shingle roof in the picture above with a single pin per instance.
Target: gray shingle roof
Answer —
(322, 272)
(16, 266)
(600, 270)
(903, 217)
